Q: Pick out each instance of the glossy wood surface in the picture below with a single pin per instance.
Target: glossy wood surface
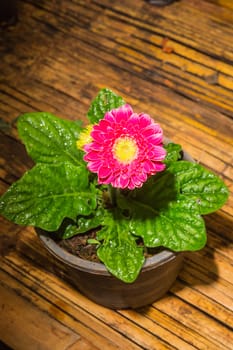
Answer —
(173, 62)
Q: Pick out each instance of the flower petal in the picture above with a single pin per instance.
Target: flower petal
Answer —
(104, 171)
(111, 153)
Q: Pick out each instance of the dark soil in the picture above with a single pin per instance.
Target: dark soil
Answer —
(78, 245)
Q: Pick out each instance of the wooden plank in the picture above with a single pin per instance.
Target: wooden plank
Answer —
(67, 306)
(207, 282)
(220, 266)
(106, 29)
(172, 331)
(190, 338)
(204, 300)
(82, 344)
(220, 335)
(175, 121)
(56, 308)
(23, 326)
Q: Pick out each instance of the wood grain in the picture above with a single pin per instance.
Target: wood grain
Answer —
(40, 331)
(173, 62)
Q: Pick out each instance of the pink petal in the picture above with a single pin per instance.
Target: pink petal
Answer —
(159, 166)
(104, 172)
(123, 113)
(94, 166)
(98, 136)
(110, 117)
(144, 120)
(122, 122)
(157, 153)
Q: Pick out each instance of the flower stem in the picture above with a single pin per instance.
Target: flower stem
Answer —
(112, 195)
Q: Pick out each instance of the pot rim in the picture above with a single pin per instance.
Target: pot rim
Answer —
(98, 267)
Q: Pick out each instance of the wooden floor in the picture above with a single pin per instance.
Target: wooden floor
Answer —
(175, 63)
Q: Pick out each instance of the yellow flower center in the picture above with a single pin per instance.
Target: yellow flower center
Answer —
(85, 137)
(125, 149)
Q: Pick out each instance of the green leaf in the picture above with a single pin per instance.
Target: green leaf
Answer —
(119, 251)
(105, 101)
(167, 210)
(47, 194)
(49, 139)
(199, 184)
(68, 231)
(93, 241)
(84, 224)
(178, 227)
(158, 191)
(173, 152)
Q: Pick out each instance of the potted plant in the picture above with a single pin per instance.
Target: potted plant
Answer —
(135, 200)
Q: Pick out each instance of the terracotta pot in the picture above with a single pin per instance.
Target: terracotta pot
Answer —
(93, 280)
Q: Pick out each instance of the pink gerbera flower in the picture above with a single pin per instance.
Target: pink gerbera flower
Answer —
(126, 148)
